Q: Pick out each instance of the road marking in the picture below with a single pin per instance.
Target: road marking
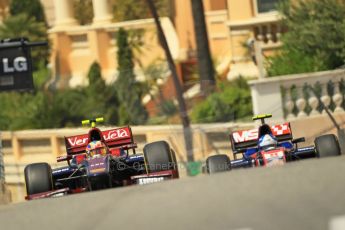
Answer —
(337, 223)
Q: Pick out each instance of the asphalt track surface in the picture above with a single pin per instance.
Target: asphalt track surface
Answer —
(301, 195)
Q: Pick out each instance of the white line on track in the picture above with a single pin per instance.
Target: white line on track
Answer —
(337, 223)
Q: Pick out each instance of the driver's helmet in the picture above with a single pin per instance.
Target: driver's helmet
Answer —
(95, 148)
(267, 141)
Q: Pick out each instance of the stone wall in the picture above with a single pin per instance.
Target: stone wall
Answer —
(298, 95)
(5, 194)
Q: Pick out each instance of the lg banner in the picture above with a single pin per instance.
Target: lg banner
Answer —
(16, 64)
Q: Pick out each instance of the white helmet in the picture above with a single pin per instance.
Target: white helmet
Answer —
(267, 140)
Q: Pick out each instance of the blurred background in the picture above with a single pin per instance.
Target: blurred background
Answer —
(234, 58)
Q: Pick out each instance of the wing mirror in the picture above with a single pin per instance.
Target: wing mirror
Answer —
(298, 140)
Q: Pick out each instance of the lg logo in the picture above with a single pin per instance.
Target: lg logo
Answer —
(19, 65)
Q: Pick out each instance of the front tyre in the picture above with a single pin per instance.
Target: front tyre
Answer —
(218, 163)
(159, 157)
(38, 178)
(327, 146)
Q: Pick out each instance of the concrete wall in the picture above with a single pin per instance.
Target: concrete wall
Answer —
(5, 194)
(267, 95)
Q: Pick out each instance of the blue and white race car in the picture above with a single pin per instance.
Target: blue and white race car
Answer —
(270, 146)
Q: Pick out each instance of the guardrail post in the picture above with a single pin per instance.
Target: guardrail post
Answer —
(17, 148)
(54, 143)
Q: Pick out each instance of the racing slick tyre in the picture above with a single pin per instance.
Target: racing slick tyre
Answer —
(218, 163)
(159, 157)
(327, 146)
(38, 178)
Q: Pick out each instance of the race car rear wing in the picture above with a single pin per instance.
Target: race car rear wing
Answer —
(242, 140)
(113, 138)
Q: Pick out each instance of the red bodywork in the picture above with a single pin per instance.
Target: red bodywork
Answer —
(117, 140)
(272, 157)
(252, 135)
(119, 137)
(244, 139)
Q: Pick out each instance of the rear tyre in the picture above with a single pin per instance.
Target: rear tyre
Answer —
(38, 178)
(159, 157)
(327, 146)
(218, 163)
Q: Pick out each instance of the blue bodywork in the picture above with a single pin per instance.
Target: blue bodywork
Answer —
(251, 144)
(292, 153)
(250, 151)
(135, 158)
(66, 171)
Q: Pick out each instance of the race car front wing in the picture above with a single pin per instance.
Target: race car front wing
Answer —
(138, 179)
